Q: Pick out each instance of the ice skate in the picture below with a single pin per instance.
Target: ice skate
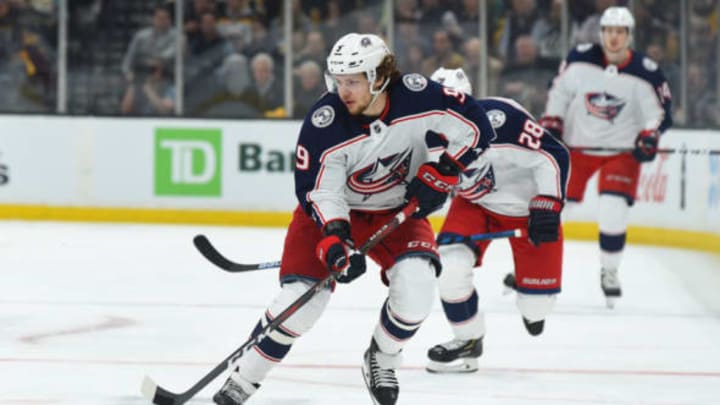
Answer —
(611, 286)
(534, 328)
(379, 375)
(235, 391)
(455, 356)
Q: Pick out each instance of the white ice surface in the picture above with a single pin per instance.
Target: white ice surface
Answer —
(87, 310)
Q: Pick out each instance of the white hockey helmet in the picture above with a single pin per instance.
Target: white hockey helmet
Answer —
(356, 53)
(617, 17)
(453, 78)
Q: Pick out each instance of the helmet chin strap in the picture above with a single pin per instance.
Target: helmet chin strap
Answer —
(376, 93)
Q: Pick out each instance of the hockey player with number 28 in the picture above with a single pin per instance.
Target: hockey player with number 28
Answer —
(609, 96)
(520, 184)
(361, 156)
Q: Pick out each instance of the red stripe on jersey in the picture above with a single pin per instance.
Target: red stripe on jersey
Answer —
(342, 145)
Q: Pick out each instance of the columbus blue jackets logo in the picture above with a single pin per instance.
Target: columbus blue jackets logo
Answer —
(323, 116)
(603, 105)
(415, 82)
(382, 175)
(481, 182)
(497, 118)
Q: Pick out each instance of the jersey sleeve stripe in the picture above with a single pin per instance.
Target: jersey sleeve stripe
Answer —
(416, 116)
(342, 145)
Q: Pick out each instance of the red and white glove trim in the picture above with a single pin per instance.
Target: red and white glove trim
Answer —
(545, 203)
(437, 181)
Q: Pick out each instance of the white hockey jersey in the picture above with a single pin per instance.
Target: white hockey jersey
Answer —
(346, 162)
(523, 161)
(607, 105)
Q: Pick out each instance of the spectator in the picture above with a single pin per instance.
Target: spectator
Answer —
(235, 75)
(308, 88)
(547, 33)
(155, 42)
(209, 38)
(208, 52)
(333, 27)
(657, 21)
(262, 40)
(193, 15)
(527, 78)
(155, 96)
(236, 24)
(366, 22)
(266, 92)
(412, 58)
(520, 20)
(301, 22)
(430, 18)
(314, 49)
(407, 33)
(704, 109)
(589, 31)
(463, 23)
(443, 54)
(9, 29)
(472, 49)
(407, 10)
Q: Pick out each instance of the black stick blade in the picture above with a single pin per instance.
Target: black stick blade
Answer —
(158, 395)
(206, 248)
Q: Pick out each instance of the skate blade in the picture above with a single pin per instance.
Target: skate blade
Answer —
(464, 365)
(366, 377)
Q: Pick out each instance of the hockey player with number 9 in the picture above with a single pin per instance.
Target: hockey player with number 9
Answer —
(609, 96)
(362, 156)
(520, 184)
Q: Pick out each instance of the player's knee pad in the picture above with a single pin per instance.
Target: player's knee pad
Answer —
(271, 349)
(613, 213)
(456, 280)
(302, 320)
(535, 307)
(412, 288)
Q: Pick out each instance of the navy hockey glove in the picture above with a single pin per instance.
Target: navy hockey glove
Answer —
(544, 222)
(552, 124)
(431, 185)
(646, 145)
(334, 251)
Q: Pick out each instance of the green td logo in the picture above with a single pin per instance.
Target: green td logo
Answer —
(188, 162)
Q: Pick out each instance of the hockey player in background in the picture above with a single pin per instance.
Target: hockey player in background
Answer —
(609, 97)
(520, 184)
(361, 156)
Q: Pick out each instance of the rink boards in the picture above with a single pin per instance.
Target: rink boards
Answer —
(240, 173)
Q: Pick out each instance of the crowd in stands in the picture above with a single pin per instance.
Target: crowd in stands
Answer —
(233, 51)
(28, 35)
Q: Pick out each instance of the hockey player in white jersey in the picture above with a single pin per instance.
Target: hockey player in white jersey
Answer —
(361, 156)
(520, 184)
(609, 96)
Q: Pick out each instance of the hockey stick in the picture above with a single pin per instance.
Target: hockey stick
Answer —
(661, 150)
(450, 239)
(215, 257)
(206, 248)
(160, 396)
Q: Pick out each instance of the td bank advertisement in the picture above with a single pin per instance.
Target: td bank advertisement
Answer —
(241, 166)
